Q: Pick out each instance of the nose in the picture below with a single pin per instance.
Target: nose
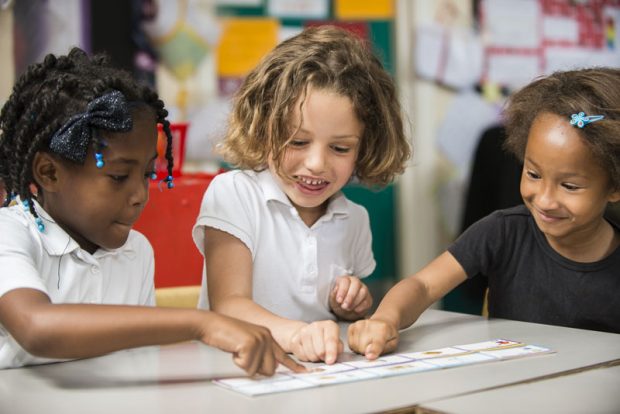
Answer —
(546, 198)
(139, 193)
(316, 160)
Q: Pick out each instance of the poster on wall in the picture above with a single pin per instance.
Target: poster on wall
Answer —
(529, 38)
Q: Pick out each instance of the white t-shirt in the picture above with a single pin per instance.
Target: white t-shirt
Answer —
(294, 266)
(54, 263)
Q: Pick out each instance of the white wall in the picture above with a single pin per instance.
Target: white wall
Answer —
(6, 54)
(419, 222)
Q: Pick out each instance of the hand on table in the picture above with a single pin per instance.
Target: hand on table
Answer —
(317, 341)
(372, 337)
(252, 346)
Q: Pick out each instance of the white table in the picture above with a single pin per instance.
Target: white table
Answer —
(177, 378)
(592, 391)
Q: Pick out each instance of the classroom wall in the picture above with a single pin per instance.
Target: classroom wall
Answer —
(418, 221)
(420, 226)
(6, 54)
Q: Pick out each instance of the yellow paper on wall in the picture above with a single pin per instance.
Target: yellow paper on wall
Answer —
(364, 9)
(243, 43)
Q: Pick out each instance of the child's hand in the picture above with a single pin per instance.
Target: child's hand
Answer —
(252, 346)
(372, 337)
(317, 341)
(350, 298)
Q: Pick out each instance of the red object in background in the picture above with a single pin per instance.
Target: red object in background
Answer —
(359, 28)
(179, 134)
(167, 222)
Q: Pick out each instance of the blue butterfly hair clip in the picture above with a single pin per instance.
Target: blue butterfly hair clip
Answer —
(581, 119)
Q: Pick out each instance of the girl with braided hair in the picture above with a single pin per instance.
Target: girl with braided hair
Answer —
(77, 148)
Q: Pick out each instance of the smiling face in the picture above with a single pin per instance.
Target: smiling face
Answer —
(320, 158)
(563, 185)
(98, 206)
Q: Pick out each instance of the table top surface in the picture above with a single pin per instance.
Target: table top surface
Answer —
(177, 378)
(592, 391)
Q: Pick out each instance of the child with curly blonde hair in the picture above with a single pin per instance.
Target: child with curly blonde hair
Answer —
(284, 248)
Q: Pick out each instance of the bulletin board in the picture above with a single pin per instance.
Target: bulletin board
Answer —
(253, 27)
(528, 38)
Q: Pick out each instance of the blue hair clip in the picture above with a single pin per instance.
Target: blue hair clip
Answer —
(580, 120)
(99, 160)
(153, 176)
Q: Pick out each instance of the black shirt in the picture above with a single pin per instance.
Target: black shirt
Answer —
(529, 281)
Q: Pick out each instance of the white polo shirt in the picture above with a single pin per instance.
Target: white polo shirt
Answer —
(294, 266)
(54, 263)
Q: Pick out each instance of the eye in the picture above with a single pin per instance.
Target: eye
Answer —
(341, 149)
(532, 175)
(118, 178)
(570, 187)
(297, 143)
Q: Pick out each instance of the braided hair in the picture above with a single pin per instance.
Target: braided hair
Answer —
(45, 97)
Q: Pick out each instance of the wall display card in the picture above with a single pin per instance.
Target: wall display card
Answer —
(243, 43)
(303, 9)
(561, 29)
(364, 9)
(611, 19)
(512, 24)
(240, 3)
(528, 38)
(356, 368)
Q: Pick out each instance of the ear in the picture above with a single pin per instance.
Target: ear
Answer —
(45, 171)
(614, 196)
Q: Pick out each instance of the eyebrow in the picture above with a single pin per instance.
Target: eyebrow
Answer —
(569, 174)
(123, 160)
(334, 136)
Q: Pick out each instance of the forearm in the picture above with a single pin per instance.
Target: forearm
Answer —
(404, 303)
(78, 331)
(246, 309)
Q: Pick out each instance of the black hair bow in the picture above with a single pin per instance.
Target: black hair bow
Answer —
(109, 112)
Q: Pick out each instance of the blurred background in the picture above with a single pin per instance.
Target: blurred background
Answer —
(454, 61)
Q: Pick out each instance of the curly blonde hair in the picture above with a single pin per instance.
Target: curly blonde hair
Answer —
(326, 58)
(595, 91)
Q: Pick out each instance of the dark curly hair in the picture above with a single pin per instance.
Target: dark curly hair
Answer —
(327, 58)
(45, 97)
(595, 91)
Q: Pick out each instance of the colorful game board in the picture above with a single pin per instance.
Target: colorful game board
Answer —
(352, 367)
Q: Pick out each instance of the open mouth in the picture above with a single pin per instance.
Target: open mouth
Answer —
(310, 184)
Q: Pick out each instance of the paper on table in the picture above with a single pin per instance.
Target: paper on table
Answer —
(356, 368)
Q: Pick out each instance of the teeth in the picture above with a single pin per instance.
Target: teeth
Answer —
(311, 182)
